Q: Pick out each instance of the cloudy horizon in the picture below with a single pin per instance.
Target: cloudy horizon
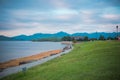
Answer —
(51, 16)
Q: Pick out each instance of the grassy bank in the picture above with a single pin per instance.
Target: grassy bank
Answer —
(87, 61)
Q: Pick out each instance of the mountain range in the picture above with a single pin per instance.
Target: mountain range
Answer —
(56, 35)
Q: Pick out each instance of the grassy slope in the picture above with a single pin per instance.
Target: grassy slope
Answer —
(88, 61)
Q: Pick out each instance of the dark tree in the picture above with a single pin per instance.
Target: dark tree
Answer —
(93, 39)
(86, 38)
(66, 38)
(109, 38)
(101, 37)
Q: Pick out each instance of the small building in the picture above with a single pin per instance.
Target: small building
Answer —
(78, 38)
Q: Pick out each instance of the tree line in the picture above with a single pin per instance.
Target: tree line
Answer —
(86, 38)
(74, 39)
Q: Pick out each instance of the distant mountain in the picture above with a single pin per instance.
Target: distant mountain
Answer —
(61, 34)
(57, 35)
(41, 36)
(21, 37)
(4, 38)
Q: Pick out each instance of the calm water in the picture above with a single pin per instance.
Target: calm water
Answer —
(16, 49)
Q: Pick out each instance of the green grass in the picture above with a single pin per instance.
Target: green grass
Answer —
(99, 60)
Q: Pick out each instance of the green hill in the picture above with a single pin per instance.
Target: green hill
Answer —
(99, 60)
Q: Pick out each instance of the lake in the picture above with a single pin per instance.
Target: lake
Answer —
(16, 49)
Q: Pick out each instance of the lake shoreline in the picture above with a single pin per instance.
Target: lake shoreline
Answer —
(32, 58)
(28, 59)
(28, 64)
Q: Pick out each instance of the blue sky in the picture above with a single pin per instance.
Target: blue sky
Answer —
(51, 16)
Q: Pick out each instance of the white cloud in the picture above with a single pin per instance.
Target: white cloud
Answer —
(65, 14)
(35, 28)
(58, 4)
(111, 16)
(61, 18)
(51, 28)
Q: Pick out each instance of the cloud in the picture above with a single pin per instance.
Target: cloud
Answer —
(58, 15)
(13, 25)
(59, 4)
(111, 16)
(86, 16)
(68, 20)
(114, 2)
(28, 30)
(53, 16)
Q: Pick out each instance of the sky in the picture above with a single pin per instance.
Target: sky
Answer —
(51, 16)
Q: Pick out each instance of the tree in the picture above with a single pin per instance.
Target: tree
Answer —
(86, 38)
(109, 38)
(92, 39)
(101, 37)
(66, 38)
(115, 38)
(74, 41)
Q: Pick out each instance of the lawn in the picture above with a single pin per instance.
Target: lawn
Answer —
(97, 60)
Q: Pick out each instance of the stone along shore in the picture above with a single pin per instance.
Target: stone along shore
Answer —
(28, 59)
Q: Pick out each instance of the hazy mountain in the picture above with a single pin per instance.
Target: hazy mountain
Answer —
(21, 37)
(41, 36)
(57, 35)
(4, 38)
(61, 34)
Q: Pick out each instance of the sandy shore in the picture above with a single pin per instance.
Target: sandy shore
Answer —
(19, 61)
